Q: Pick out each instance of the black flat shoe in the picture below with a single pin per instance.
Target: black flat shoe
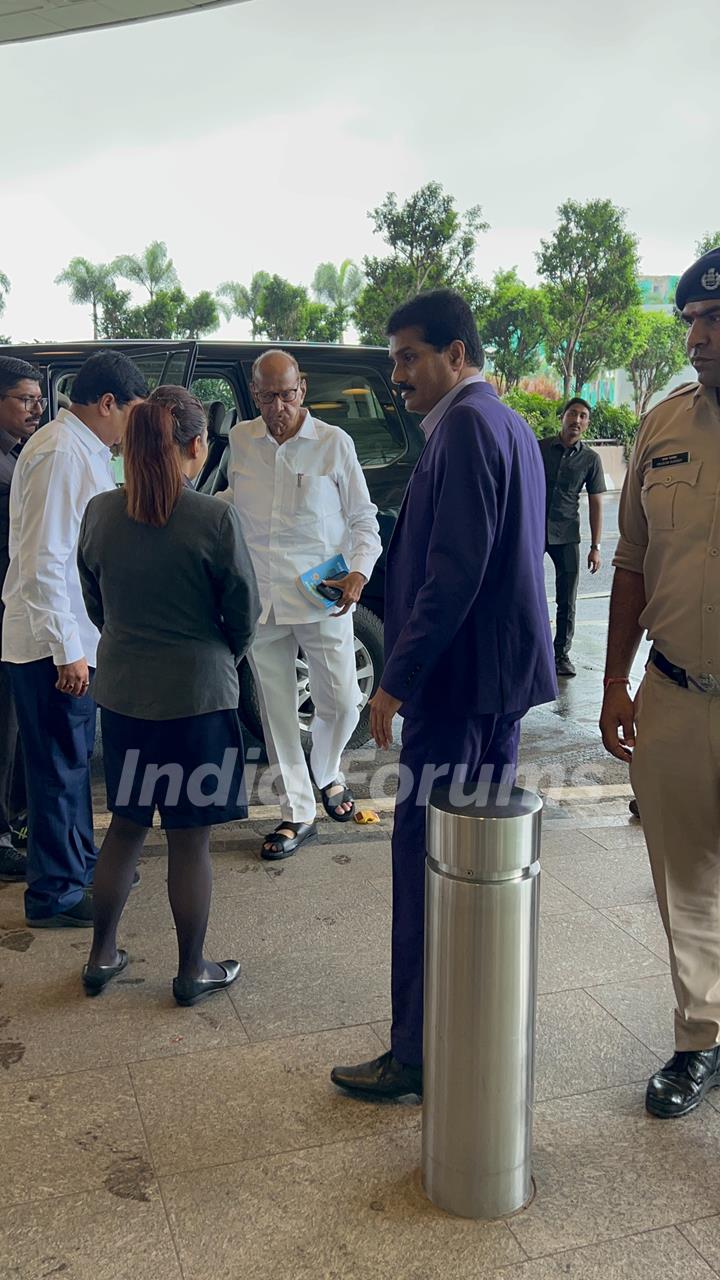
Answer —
(682, 1083)
(187, 993)
(331, 804)
(95, 980)
(275, 846)
(383, 1077)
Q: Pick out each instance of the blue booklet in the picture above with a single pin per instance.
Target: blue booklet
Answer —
(307, 583)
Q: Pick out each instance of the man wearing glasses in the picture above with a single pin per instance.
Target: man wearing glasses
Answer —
(302, 498)
(21, 407)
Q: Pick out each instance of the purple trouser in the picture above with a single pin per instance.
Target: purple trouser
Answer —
(444, 744)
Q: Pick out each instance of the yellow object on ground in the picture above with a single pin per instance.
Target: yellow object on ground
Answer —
(366, 815)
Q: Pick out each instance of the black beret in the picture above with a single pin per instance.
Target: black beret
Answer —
(701, 281)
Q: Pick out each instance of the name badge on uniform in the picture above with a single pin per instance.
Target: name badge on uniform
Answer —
(670, 460)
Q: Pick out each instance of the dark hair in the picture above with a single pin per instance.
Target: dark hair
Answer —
(574, 400)
(444, 317)
(158, 429)
(13, 371)
(108, 373)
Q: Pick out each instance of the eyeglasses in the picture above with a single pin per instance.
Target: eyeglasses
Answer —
(28, 401)
(268, 397)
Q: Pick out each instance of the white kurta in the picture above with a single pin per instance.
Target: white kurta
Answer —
(301, 503)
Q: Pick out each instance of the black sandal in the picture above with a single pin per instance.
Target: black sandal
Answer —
(303, 832)
(331, 806)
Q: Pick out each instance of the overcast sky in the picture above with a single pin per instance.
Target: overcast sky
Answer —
(257, 136)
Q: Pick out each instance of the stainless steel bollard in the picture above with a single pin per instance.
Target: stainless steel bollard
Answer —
(481, 927)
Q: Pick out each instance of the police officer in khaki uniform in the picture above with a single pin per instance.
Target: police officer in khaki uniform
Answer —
(667, 582)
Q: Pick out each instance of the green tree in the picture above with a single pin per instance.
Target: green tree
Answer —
(512, 325)
(339, 288)
(658, 352)
(4, 290)
(711, 240)
(152, 268)
(604, 345)
(431, 245)
(88, 283)
(198, 316)
(589, 266)
(282, 315)
(170, 314)
(236, 299)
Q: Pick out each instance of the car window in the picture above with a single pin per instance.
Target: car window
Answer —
(150, 363)
(361, 403)
(215, 388)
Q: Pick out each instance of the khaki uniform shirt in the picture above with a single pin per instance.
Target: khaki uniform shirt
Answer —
(670, 527)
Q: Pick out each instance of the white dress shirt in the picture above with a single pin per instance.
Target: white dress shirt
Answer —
(431, 419)
(60, 469)
(300, 503)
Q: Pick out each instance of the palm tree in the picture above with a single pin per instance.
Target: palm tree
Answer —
(339, 287)
(152, 268)
(89, 282)
(4, 290)
(240, 300)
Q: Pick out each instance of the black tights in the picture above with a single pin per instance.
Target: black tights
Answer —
(189, 890)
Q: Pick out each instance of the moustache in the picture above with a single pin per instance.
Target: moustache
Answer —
(403, 386)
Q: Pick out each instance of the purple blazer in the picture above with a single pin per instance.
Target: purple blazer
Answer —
(466, 617)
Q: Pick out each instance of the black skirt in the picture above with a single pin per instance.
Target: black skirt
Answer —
(190, 770)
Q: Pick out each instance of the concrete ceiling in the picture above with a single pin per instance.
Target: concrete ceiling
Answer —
(32, 19)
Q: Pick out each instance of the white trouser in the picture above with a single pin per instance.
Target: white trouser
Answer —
(328, 646)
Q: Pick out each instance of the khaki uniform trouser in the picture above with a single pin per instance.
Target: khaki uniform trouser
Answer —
(675, 775)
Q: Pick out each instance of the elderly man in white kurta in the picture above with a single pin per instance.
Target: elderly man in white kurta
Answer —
(302, 498)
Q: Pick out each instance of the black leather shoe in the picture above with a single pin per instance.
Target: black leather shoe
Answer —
(276, 846)
(13, 864)
(634, 808)
(95, 980)
(187, 993)
(78, 917)
(384, 1077)
(682, 1083)
(564, 667)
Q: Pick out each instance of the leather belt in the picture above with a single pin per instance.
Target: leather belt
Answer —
(679, 676)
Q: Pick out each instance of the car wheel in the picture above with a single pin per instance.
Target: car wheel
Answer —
(369, 662)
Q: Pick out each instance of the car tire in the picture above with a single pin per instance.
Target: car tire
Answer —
(369, 656)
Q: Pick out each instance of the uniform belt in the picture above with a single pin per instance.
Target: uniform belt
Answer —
(705, 683)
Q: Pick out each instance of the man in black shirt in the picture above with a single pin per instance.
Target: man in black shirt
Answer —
(21, 407)
(570, 467)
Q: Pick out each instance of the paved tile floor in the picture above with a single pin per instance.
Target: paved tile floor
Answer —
(141, 1141)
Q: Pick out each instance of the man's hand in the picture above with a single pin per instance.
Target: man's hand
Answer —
(73, 678)
(383, 708)
(618, 713)
(594, 561)
(352, 588)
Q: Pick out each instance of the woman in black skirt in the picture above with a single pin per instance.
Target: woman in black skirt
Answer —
(167, 580)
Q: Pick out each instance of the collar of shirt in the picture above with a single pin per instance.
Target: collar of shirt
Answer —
(7, 442)
(87, 437)
(431, 420)
(569, 448)
(308, 430)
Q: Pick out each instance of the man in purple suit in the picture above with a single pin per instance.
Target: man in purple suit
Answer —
(467, 637)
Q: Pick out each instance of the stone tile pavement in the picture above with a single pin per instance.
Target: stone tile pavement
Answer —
(141, 1141)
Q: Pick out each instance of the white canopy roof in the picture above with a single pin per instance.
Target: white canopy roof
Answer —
(31, 19)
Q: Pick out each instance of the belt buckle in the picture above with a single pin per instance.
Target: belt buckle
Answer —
(706, 682)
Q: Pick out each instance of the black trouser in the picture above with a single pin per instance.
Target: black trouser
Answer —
(12, 769)
(566, 558)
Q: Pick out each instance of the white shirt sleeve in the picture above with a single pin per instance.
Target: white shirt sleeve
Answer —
(49, 528)
(360, 512)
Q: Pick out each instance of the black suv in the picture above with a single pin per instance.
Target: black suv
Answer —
(347, 386)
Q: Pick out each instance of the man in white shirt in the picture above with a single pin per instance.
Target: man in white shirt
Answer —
(302, 498)
(48, 641)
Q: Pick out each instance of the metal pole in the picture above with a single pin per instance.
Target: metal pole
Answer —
(481, 922)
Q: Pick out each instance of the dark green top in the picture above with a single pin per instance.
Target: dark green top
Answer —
(176, 606)
(567, 473)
